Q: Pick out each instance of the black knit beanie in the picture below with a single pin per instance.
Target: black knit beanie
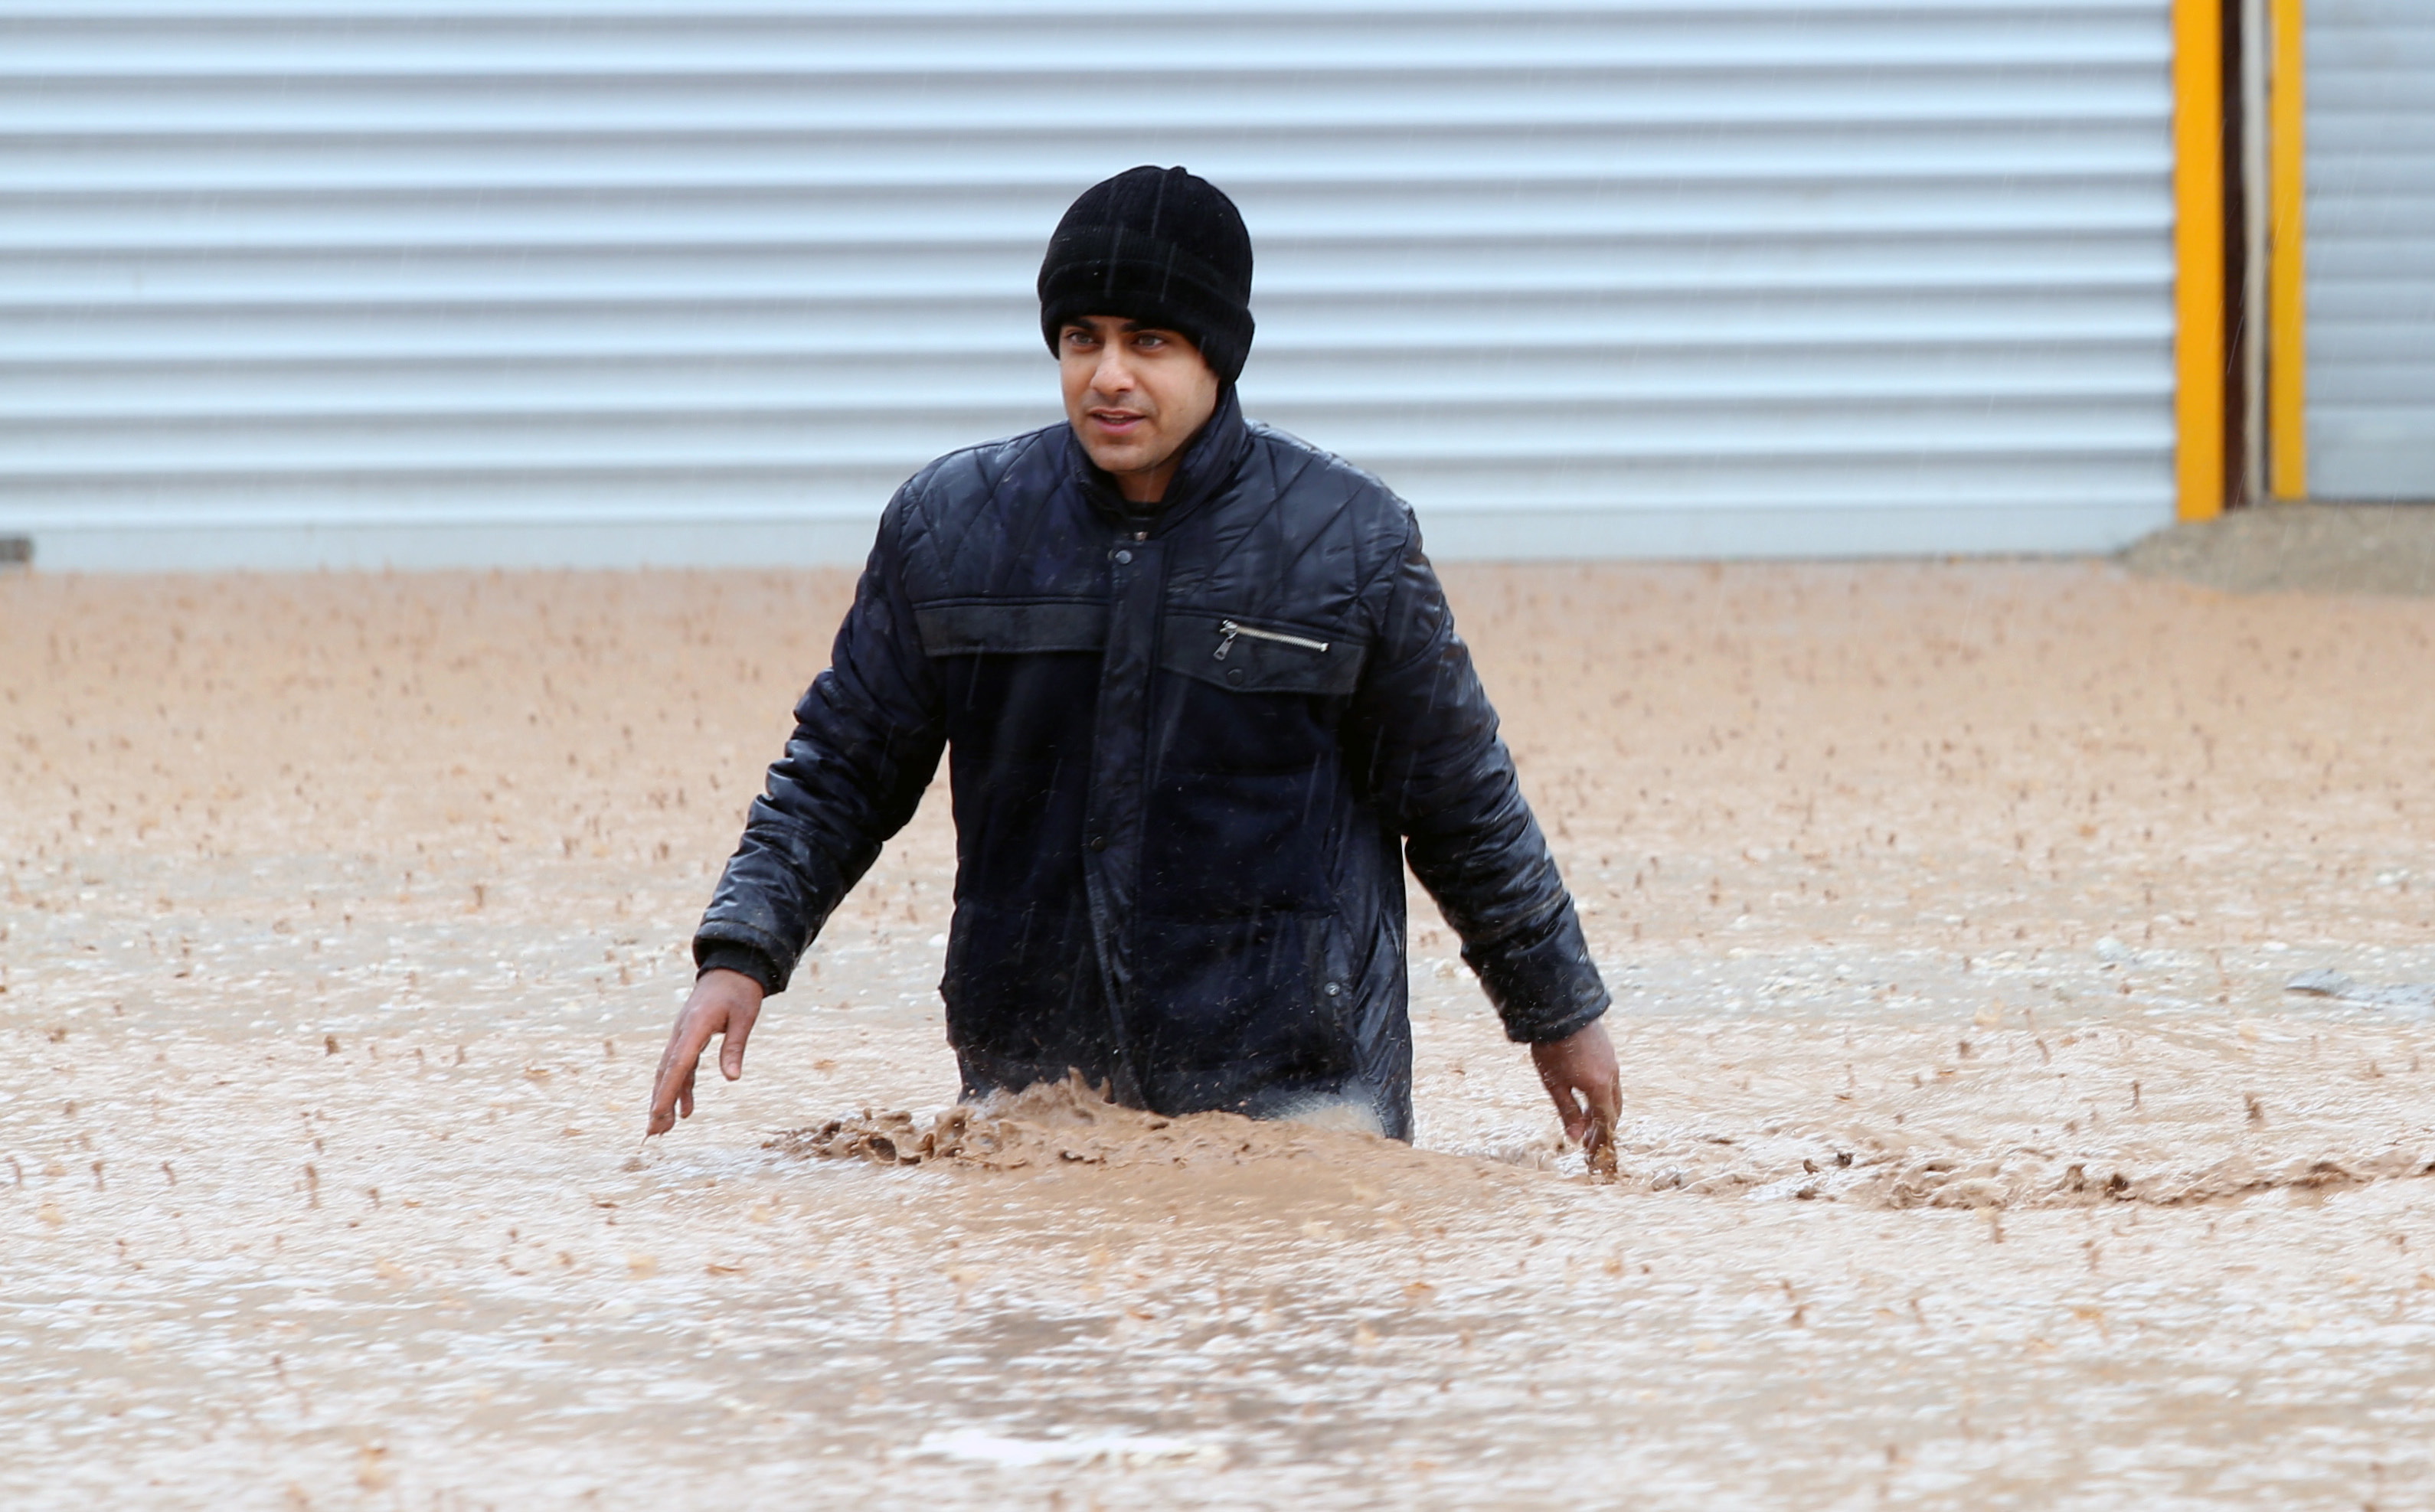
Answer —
(1161, 247)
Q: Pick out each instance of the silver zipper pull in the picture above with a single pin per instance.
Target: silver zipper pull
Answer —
(1231, 629)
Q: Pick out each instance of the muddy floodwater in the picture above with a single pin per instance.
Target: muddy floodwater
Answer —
(1974, 1153)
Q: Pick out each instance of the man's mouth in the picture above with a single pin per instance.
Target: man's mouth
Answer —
(1120, 422)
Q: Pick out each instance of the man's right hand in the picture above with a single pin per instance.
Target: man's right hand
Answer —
(724, 1004)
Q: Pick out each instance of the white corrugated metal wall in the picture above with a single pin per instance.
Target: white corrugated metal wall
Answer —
(353, 283)
(2371, 259)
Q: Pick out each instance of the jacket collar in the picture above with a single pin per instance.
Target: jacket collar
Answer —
(1209, 460)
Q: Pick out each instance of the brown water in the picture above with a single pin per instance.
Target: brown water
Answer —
(1974, 1153)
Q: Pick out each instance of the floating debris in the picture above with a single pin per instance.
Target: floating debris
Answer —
(2325, 981)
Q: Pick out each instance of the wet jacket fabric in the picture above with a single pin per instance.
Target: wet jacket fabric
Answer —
(1189, 751)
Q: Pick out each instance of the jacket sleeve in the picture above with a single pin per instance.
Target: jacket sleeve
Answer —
(868, 735)
(1446, 782)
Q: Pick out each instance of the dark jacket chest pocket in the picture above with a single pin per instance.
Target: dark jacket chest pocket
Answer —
(1247, 656)
(1019, 683)
(1270, 702)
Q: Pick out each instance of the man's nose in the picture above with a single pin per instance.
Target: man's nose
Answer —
(1114, 375)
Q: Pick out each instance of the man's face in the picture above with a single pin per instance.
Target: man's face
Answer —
(1134, 394)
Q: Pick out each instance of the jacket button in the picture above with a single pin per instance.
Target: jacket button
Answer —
(1333, 989)
(1124, 559)
(1097, 842)
(1234, 675)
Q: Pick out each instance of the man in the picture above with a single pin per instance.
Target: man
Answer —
(1202, 697)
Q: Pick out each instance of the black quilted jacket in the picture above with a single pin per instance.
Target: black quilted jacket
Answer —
(1189, 752)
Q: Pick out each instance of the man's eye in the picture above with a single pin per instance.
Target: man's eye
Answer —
(1150, 341)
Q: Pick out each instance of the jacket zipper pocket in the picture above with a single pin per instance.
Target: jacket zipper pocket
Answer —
(1228, 629)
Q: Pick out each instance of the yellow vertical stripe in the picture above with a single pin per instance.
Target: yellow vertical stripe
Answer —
(2198, 238)
(2286, 256)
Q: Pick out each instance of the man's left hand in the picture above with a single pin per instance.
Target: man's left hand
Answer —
(1581, 1074)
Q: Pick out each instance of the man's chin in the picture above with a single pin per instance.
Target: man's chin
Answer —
(1121, 459)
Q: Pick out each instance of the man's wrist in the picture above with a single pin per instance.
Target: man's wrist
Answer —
(735, 955)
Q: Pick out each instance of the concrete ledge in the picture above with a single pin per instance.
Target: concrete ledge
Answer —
(2301, 548)
(1453, 534)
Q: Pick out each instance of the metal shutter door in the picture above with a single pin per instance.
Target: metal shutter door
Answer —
(2371, 249)
(292, 283)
